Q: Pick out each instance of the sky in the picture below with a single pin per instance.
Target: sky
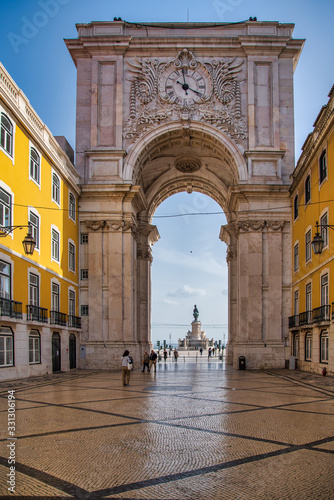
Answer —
(189, 264)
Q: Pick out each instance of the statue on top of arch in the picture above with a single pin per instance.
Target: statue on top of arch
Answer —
(195, 313)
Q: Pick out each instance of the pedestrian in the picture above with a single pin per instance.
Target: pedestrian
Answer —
(153, 360)
(201, 351)
(176, 354)
(146, 362)
(165, 355)
(209, 352)
(127, 364)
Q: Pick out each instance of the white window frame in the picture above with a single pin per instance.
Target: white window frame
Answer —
(34, 299)
(35, 231)
(55, 199)
(308, 346)
(324, 230)
(6, 279)
(308, 245)
(72, 208)
(296, 302)
(71, 301)
(324, 346)
(31, 177)
(324, 288)
(55, 295)
(55, 258)
(323, 154)
(8, 347)
(296, 256)
(71, 243)
(8, 115)
(34, 347)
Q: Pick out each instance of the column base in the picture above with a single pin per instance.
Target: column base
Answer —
(99, 355)
(259, 355)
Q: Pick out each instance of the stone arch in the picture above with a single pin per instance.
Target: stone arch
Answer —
(211, 137)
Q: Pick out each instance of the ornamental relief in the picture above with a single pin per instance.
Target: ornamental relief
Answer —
(185, 88)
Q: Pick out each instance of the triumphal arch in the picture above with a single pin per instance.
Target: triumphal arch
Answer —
(170, 107)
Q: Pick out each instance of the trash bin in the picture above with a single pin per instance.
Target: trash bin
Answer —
(242, 363)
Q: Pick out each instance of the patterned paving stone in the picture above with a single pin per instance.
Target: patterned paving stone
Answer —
(194, 430)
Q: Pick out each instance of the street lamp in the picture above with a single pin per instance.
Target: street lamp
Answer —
(318, 242)
(28, 242)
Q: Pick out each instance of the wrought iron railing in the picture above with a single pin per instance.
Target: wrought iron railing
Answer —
(57, 318)
(305, 318)
(322, 313)
(294, 321)
(35, 313)
(73, 321)
(10, 308)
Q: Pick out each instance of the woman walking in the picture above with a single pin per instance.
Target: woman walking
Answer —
(126, 361)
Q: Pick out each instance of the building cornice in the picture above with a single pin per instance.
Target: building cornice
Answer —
(322, 124)
(18, 104)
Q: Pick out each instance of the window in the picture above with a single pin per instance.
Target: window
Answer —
(324, 290)
(324, 341)
(34, 224)
(6, 134)
(296, 302)
(84, 238)
(309, 297)
(71, 303)
(5, 208)
(6, 347)
(308, 347)
(35, 162)
(71, 206)
(84, 310)
(33, 289)
(324, 228)
(54, 296)
(55, 245)
(71, 257)
(5, 280)
(84, 274)
(308, 189)
(323, 167)
(295, 345)
(296, 257)
(308, 238)
(295, 207)
(56, 188)
(34, 347)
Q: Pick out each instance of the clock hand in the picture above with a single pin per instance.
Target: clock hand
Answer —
(184, 76)
(196, 91)
(185, 86)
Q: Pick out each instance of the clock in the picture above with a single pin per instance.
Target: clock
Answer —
(185, 85)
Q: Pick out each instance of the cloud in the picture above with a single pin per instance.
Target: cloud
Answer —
(171, 302)
(187, 291)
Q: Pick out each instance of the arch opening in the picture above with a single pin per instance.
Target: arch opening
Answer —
(189, 267)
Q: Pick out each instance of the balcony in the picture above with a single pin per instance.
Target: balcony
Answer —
(35, 313)
(305, 318)
(10, 308)
(57, 318)
(320, 314)
(73, 321)
(293, 321)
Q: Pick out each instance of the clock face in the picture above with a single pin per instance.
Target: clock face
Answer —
(185, 86)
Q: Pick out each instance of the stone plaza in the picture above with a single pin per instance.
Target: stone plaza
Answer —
(197, 430)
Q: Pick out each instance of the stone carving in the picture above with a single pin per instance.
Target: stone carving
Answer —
(144, 252)
(187, 165)
(275, 225)
(251, 225)
(231, 255)
(164, 91)
(95, 225)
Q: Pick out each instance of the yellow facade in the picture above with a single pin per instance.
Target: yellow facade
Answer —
(311, 325)
(39, 294)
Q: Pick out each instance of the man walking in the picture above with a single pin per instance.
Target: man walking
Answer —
(153, 360)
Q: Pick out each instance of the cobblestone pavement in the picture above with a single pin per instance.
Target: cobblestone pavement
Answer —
(195, 430)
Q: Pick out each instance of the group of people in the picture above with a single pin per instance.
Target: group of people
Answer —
(149, 361)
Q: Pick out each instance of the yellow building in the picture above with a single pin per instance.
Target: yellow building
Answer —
(311, 325)
(39, 317)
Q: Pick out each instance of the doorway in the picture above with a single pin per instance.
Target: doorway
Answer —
(56, 357)
(73, 351)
